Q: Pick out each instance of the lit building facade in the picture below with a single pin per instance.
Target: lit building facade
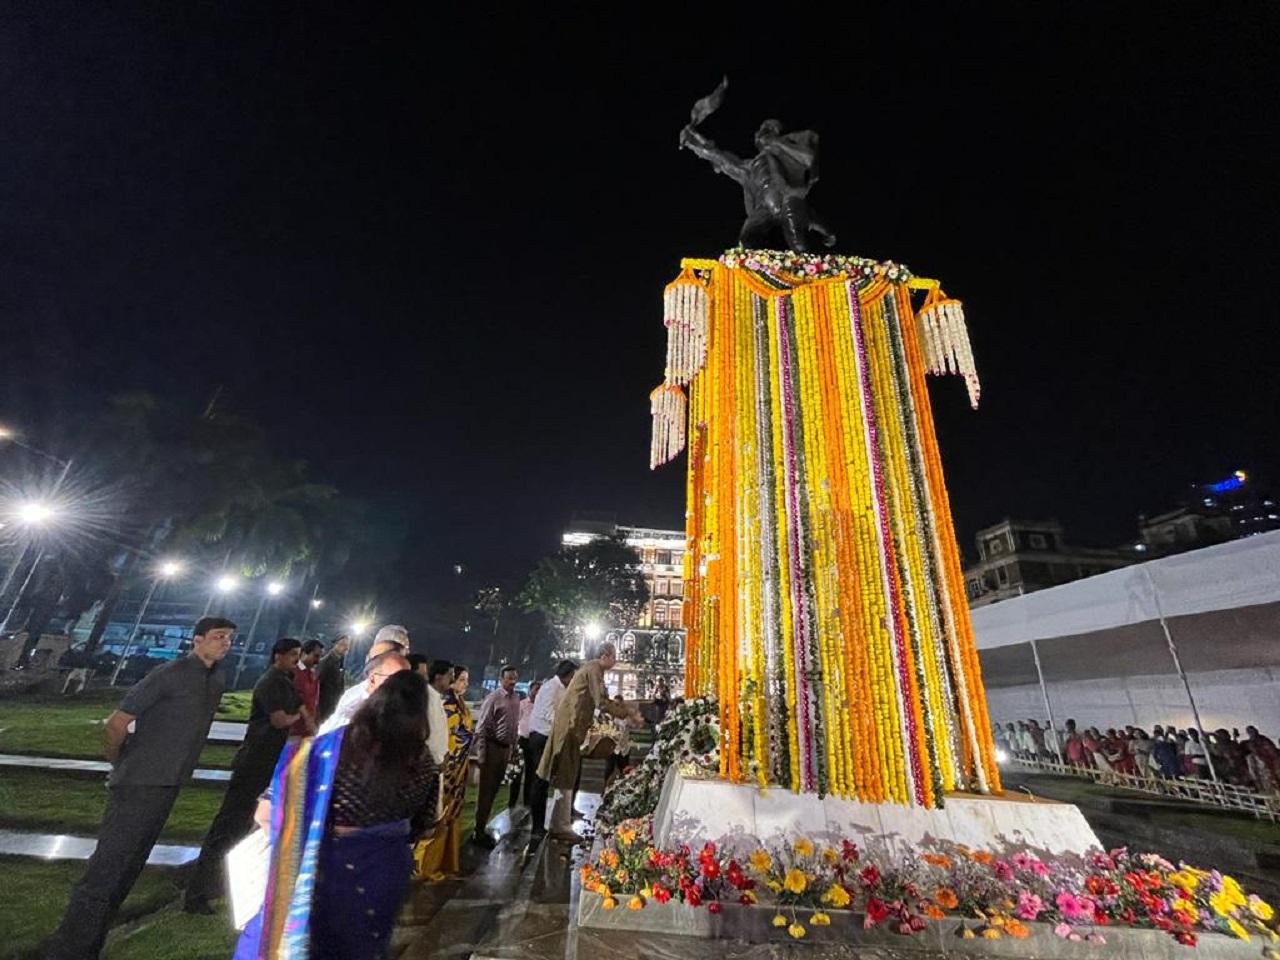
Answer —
(1228, 509)
(653, 647)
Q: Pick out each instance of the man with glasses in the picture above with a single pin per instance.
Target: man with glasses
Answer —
(376, 671)
(392, 637)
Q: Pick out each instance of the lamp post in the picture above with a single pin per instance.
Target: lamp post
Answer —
(273, 589)
(315, 604)
(33, 513)
(166, 571)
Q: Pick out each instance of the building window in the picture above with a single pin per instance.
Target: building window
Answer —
(673, 613)
(995, 546)
(1002, 576)
(1038, 541)
(659, 613)
(677, 588)
(660, 587)
(662, 557)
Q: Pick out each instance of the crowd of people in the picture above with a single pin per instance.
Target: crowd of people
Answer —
(1168, 752)
(358, 788)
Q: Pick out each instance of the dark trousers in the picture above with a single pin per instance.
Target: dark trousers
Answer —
(537, 786)
(232, 823)
(492, 768)
(523, 782)
(133, 820)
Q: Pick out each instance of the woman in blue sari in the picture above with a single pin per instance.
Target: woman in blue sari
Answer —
(345, 808)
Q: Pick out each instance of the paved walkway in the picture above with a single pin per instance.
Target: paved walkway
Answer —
(90, 766)
(61, 846)
(227, 731)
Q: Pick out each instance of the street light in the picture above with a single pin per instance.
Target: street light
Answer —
(34, 513)
(317, 604)
(273, 589)
(358, 627)
(227, 584)
(165, 571)
(593, 631)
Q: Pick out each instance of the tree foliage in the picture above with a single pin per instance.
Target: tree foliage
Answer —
(597, 582)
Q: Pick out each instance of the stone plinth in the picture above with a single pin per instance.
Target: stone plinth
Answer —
(738, 816)
(752, 925)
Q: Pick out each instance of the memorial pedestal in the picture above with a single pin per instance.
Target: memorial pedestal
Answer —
(741, 817)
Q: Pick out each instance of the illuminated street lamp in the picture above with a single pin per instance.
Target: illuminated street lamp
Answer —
(35, 513)
(358, 627)
(167, 570)
(30, 514)
(272, 590)
(315, 604)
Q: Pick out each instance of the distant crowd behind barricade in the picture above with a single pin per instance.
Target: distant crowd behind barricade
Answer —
(1170, 753)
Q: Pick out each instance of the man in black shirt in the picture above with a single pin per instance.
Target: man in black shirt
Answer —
(171, 709)
(276, 707)
(332, 677)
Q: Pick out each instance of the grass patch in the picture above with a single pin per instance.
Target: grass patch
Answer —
(467, 818)
(55, 726)
(51, 725)
(235, 706)
(171, 934)
(58, 802)
(36, 894)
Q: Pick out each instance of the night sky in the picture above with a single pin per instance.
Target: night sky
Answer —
(428, 253)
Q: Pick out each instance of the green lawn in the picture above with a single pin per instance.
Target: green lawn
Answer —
(48, 725)
(36, 894)
(31, 799)
(235, 706)
(72, 803)
(171, 934)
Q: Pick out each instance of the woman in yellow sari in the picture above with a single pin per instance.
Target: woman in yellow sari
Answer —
(437, 858)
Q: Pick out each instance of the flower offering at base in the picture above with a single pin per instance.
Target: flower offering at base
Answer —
(804, 881)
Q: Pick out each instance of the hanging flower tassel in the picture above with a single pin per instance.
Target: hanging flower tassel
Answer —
(685, 307)
(667, 405)
(944, 340)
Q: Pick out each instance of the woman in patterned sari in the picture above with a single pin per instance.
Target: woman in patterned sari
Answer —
(344, 809)
(437, 857)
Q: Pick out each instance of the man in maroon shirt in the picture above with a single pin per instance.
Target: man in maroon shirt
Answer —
(307, 682)
(497, 731)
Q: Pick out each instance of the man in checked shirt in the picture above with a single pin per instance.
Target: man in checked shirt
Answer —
(496, 734)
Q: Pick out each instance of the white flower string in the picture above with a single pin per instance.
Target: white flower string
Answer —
(944, 339)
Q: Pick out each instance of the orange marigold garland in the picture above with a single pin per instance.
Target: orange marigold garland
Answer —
(824, 606)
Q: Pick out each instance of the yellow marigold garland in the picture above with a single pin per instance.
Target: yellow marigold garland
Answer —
(824, 605)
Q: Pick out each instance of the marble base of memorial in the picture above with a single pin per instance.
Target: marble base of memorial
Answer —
(753, 925)
(741, 817)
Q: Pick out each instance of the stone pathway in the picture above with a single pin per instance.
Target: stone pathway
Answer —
(61, 846)
(227, 731)
(90, 766)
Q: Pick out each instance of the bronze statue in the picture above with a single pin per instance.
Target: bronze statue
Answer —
(775, 182)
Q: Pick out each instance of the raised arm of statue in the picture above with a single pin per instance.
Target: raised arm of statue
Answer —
(722, 161)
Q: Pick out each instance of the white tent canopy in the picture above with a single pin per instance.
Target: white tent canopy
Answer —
(1241, 573)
